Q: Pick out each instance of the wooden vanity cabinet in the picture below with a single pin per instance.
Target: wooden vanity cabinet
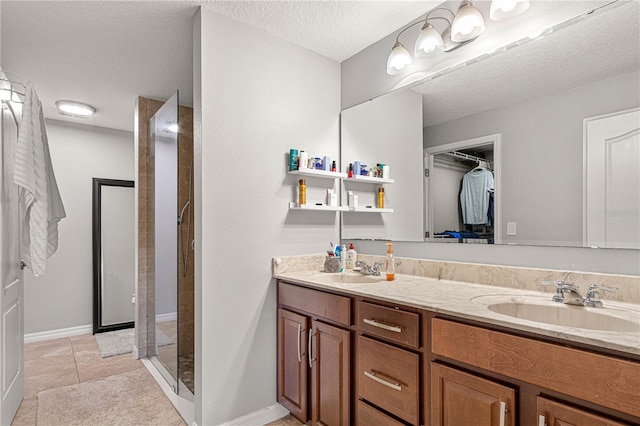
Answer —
(459, 398)
(552, 413)
(536, 368)
(314, 356)
(388, 374)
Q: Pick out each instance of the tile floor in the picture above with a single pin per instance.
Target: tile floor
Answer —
(71, 360)
(62, 362)
(286, 421)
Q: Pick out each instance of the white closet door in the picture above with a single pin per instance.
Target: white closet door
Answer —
(612, 180)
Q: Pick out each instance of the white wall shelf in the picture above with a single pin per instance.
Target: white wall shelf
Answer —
(318, 173)
(369, 179)
(294, 206)
(364, 209)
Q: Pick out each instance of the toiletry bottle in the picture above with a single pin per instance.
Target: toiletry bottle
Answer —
(343, 258)
(303, 160)
(302, 193)
(352, 256)
(333, 166)
(293, 159)
(390, 263)
(350, 170)
(381, 198)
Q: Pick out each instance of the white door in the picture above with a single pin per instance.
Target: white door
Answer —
(612, 180)
(11, 293)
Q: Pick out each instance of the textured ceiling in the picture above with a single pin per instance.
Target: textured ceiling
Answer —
(106, 53)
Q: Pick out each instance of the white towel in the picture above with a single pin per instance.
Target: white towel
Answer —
(40, 203)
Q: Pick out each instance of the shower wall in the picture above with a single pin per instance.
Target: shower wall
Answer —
(145, 338)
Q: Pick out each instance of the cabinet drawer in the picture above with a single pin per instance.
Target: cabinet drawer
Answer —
(389, 323)
(389, 378)
(317, 303)
(369, 416)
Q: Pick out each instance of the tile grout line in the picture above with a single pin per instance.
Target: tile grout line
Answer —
(75, 360)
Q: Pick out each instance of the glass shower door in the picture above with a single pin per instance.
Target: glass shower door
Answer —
(163, 128)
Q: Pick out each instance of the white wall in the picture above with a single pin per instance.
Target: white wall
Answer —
(256, 97)
(62, 297)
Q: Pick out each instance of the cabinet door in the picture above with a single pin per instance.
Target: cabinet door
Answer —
(292, 363)
(460, 399)
(551, 413)
(330, 382)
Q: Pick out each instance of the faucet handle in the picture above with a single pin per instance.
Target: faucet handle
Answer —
(560, 285)
(593, 295)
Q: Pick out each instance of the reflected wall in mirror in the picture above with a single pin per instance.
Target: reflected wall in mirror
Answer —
(386, 130)
(537, 96)
(113, 254)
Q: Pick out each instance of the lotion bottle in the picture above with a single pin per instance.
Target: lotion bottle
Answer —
(390, 263)
(343, 258)
(352, 256)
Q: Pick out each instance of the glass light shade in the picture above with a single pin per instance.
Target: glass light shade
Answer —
(429, 43)
(467, 24)
(75, 109)
(398, 60)
(505, 9)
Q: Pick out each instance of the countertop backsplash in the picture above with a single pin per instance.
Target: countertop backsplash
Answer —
(495, 275)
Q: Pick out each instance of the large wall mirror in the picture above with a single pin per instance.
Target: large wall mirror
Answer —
(113, 254)
(538, 96)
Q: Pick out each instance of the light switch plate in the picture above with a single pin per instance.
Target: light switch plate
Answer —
(511, 228)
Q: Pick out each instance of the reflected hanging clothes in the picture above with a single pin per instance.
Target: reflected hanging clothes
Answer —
(41, 207)
(477, 186)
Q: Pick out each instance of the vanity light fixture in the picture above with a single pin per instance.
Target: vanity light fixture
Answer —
(75, 109)
(464, 27)
(467, 24)
(506, 9)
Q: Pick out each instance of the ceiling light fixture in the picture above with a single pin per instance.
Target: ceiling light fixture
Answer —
(75, 109)
(464, 27)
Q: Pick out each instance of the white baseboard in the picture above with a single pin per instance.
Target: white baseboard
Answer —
(260, 417)
(56, 334)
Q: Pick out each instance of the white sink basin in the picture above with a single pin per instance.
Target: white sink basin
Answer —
(353, 278)
(566, 315)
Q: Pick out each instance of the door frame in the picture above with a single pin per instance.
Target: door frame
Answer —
(496, 141)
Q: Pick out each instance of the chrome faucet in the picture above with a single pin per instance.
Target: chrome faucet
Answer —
(593, 296)
(369, 270)
(569, 294)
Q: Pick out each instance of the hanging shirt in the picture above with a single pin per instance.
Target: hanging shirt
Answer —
(477, 185)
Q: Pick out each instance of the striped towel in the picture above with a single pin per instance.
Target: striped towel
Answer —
(40, 203)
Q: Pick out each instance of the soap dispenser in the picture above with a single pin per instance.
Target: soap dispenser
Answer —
(390, 263)
(352, 256)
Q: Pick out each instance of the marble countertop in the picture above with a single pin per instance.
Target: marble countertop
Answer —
(473, 301)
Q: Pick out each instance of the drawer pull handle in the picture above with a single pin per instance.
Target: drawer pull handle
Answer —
(373, 376)
(503, 412)
(311, 334)
(542, 421)
(383, 326)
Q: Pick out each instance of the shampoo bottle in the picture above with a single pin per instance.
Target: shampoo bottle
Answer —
(352, 256)
(302, 193)
(390, 263)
